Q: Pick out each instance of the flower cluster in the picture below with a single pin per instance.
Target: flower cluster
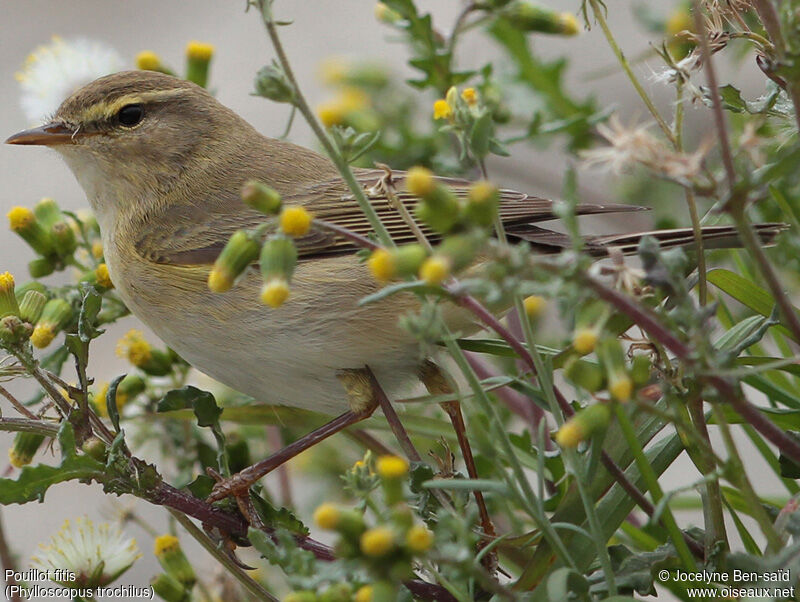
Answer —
(198, 62)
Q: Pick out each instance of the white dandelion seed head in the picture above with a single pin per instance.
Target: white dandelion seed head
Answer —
(96, 554)
(54, 71)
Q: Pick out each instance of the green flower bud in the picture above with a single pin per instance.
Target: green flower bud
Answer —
(13, 330)
(612, 356)
(587, 375)
(527, 16)
(241, 250)
(198, 59)
(408, 259)
(31, 285)
(48, 212)
(24, 448)
(582, 425)
(41, 267)
(169, 589)
(24, 222)
(170, 556)
(278, 258)
(55, 315)
(482, 202)
(64, 241)
(438, 209)
(8, 299)
(261, 197)
(460, 249)
(271, 82)
(95, 448)
(32, 306)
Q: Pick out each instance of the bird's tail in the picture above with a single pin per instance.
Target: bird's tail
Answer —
(714, 237)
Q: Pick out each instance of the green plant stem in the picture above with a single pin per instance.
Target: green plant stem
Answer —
(24, 425)
(735, 472)
(654, 487)
(255, 589)
(598, 14)
(715, 525)
(333, 153)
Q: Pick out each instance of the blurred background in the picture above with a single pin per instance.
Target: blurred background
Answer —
(320, 29)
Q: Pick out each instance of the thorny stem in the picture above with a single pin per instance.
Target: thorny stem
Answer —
(17, 404)
(598, 14)
(247, 582)
(333, 153)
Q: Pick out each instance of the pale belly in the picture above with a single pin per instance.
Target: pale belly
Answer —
(287, 356)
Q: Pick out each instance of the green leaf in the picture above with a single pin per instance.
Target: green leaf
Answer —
(417, 286)
(278, 517)
(467, 485)
(34, 481)
(745, 292)
(87, 318)
(480, 135)
(111, 401)
(187, 398)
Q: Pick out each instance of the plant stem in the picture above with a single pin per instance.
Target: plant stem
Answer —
(248, 583)
(598, 14)
(654, 487)
(333, 153)
(17, 404)
(24, 425)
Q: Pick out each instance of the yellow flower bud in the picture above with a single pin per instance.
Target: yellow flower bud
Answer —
(470, 96)
(103, 278)
(261, 197)
(20, 218)
(199, 50)
(442, 109)
(43, 335)
(240, 251)
(435, 270)
(172, 559)
(419, 539)
(97, 249)
(621, 388)
(327, 516)
(392, 467)
(420, 181)
(364, 594)
(679, 20)
(147, 60)
(165, 544)
(8, 299)
(377, 542)
(569, 24)
(134, 348)
(534, 305)
(275, 293)
(24, 448)
(569, 435)
(381, 265)
(295, 221)
(584, 340)
(55, 315)
(331, 113)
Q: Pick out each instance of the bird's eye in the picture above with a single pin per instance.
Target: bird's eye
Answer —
(130, 115)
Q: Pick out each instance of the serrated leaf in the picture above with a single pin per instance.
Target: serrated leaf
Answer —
(278, 517)
(90, 307)
(111, 401)
(34, 481)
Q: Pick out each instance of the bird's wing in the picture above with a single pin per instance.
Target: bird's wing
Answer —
(187, 242)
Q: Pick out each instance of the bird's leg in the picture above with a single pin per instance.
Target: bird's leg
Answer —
(362, 403)
(436, 383)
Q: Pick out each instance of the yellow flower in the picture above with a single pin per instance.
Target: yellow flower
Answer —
(470, 96)
(534, 305)
(275, 293)
(435, 270)
(20, 218)
(331, 113)
(134, 348)
(219, 280)
(295, 221)
(377, 542)
(199, 50)
(482, 191)
(621, 388)
(103, 279)
(392, 467)
(419, 539)
(327, 516)
(43, 335)
(569, 435)
(569, 24)
(147, 60)
(381, 265)
(420, 181)
(584, 340)
(6, 282)
(97, 249)
(442, 109)
(165, 544)
(353, 99)
(364, 594)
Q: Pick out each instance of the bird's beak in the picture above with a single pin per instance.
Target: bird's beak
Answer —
(48, 134)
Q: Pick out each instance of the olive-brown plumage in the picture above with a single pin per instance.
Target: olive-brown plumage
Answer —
(162, 163)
